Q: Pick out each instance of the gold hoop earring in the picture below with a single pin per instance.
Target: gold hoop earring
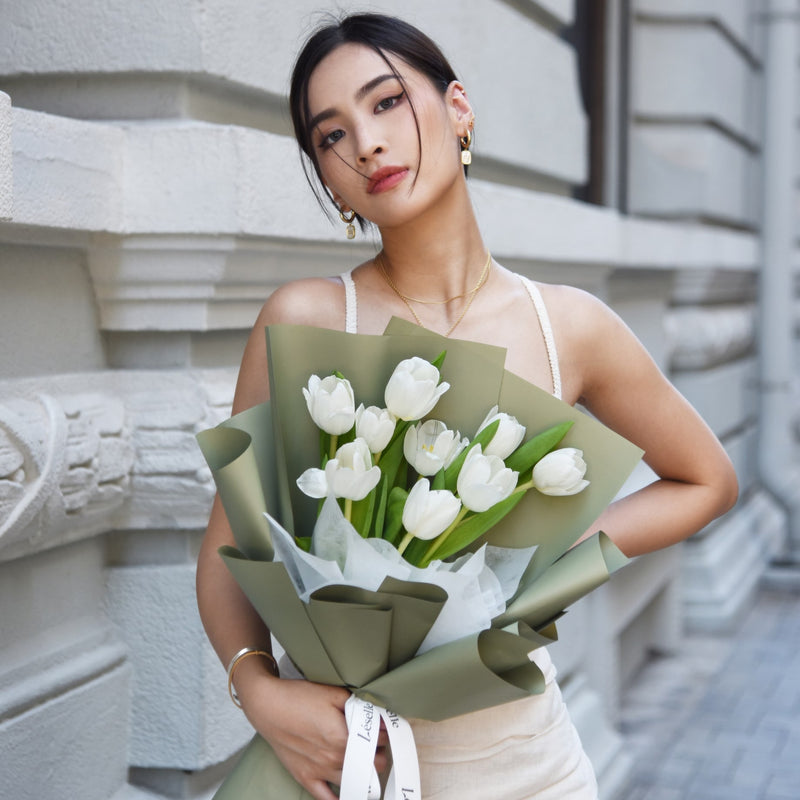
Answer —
(466, 143)
(351, 229)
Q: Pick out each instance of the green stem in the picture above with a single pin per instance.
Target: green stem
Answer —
(405, 542)
(348, 508)
(523, 487)
(441, 538)
(334, 442)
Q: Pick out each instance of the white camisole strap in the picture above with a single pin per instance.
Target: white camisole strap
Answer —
(350, 303)
(547, 332)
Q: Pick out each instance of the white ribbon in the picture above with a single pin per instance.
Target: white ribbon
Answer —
(359, 776)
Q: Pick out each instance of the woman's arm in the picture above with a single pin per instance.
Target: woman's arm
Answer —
(303, 721)
(623, 387)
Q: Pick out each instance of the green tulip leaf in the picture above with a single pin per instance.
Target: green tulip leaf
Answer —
(439, 360)
(361, 515)
(474, 526)
(394, 514)
(382, 490)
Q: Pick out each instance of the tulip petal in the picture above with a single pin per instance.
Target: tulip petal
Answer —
(313, 483)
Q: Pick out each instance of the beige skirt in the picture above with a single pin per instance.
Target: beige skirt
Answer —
(524, 750)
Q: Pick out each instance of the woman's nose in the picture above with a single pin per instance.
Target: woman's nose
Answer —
(370, 143)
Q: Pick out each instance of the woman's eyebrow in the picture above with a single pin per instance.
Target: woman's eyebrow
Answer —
(370, 85)
(360, 95)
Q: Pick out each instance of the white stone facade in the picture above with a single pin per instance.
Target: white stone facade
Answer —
(151, 198)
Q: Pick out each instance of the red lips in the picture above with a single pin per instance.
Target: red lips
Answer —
(385, 178)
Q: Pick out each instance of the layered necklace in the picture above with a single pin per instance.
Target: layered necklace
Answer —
(379, 260)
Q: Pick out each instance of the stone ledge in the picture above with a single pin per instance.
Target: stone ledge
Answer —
(190, 249)
(561, 10)
(735, 18)
(144, 180)
(43, 678)
(691, 171)
(71, 746)
(722, 566)
(692, 72)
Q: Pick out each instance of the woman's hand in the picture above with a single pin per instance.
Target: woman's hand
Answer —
(305, 725)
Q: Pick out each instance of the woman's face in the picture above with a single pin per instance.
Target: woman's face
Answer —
(365, 135)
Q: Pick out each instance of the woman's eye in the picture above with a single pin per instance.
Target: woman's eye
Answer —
(331, 138)
(388, 102)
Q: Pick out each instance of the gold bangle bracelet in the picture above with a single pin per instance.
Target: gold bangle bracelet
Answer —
(237, 659)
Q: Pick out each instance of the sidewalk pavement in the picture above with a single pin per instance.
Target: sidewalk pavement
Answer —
(720, 720)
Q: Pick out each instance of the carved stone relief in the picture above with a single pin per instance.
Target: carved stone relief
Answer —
(119, 454)
(698, 338)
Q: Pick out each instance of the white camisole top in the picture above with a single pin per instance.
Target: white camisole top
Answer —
(351, 321)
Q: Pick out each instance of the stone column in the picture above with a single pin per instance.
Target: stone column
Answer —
(777, 447)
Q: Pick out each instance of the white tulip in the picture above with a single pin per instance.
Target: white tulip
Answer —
(414, 389)
(349, 474)
(484, 480)
(431, 446)
(375, 425)
(428, 513)
(560, 472)
(331, 403)
(507, 437)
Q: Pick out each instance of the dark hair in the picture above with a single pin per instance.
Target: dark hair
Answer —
(379, 32)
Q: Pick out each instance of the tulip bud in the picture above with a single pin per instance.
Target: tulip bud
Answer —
(560, 472)
(375, 426)
(507, 437)
(428, 513)
(414, 389)
(331, 403)
(484, 481)
(431, 446)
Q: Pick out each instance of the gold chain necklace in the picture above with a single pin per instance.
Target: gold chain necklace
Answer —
(408, 300)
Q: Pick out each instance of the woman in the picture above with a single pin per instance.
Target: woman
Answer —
(384, 123)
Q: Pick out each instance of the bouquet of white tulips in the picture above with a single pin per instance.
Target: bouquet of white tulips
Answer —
(409, 481)
(377, 542)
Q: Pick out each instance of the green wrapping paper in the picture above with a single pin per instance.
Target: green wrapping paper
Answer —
(366, 640)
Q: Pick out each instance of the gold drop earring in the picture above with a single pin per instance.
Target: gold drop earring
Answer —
(351, 229)
(466, 143)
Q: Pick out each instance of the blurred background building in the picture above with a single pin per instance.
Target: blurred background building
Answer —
(151, 197)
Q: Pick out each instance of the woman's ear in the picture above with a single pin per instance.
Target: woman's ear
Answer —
(459, 108)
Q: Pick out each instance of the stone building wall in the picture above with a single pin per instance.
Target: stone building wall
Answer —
(151, 198)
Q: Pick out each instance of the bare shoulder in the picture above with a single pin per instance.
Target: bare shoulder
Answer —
(310, 301)
(595, 345)
(579, 319)
(318, 302)
(576, 307)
